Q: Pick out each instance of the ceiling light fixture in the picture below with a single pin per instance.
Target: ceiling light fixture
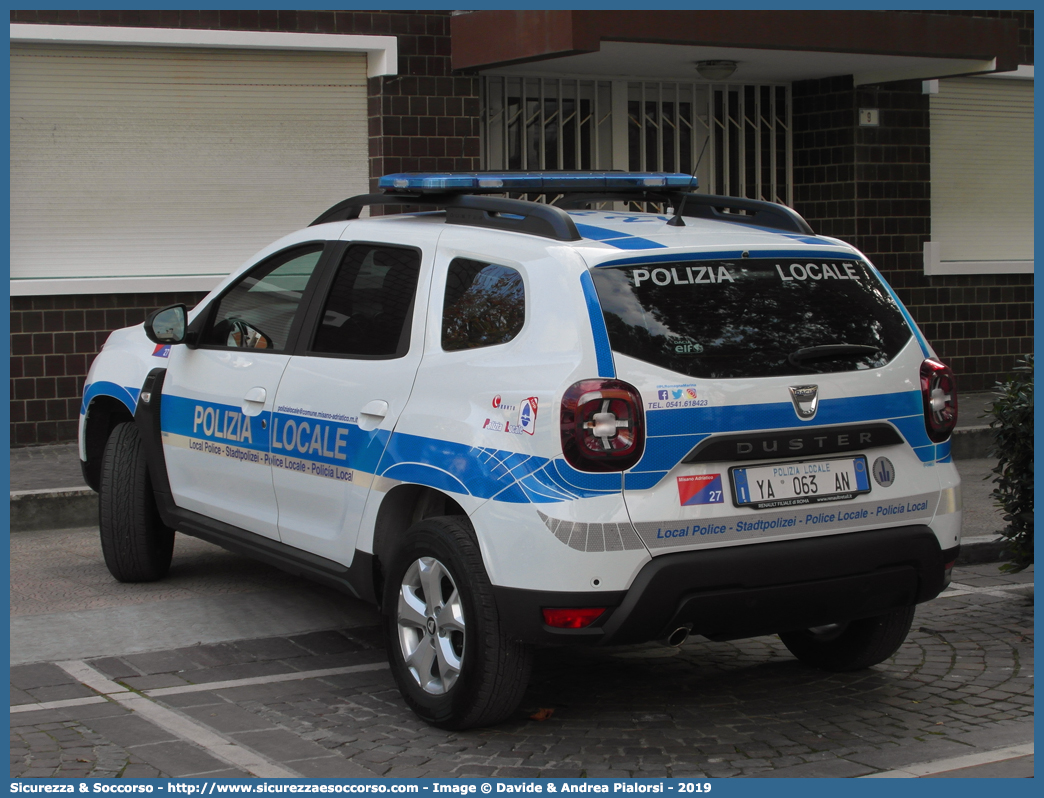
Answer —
(715, 70)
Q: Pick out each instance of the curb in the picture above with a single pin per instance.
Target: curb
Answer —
(61, 508)
(970, 443)
(982, 549)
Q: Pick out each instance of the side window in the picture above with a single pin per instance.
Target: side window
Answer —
(485, 305)
(369, 309)
(258, 311)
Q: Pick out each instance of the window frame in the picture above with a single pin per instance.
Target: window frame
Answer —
(321, 290)
(204, 321)
(442, 310)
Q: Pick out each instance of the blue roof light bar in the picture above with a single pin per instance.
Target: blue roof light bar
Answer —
(533, 182)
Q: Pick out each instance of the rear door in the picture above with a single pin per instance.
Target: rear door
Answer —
(771, 386)
(341, 396)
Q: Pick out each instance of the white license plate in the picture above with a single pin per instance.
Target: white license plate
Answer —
(806, 482)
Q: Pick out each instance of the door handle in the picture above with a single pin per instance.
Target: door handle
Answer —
(371, 416)
(254, 401)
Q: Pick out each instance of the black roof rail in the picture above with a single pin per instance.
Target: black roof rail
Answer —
(497, 213)
(764, 214)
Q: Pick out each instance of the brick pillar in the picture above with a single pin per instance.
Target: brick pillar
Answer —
(424, 118)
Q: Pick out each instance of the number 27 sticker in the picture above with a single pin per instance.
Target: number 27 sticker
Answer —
(700, 489)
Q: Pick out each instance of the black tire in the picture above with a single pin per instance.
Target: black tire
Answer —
(473, 673)
(136, 545)
(853, 645)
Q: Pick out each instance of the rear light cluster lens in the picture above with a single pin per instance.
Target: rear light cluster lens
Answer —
(571, 617)
(939, 394)
(603, 428)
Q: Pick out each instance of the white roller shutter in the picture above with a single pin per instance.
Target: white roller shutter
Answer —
(152, 162)
(982, 172)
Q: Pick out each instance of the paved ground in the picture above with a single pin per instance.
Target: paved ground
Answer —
(324, 704)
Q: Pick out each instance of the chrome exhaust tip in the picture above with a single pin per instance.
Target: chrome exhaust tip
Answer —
(677, 637)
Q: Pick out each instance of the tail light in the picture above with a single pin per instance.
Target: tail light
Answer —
(571, 617)
(603, 428)
(939, 394)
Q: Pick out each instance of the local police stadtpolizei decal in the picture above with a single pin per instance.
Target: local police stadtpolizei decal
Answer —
(161, 350)
(884, 472)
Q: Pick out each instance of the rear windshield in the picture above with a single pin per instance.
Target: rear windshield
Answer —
(751, 317)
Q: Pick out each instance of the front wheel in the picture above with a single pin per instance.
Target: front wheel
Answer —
(136, 545)
(852, 645)
(454, 665)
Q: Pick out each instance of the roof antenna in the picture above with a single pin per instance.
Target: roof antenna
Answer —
(677, 220)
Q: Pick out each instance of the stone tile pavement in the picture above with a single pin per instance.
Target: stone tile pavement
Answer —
(323, 704)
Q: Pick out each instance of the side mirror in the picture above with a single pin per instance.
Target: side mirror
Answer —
(167, 326)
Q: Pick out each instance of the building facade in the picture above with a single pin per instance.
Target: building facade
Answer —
(153, 152)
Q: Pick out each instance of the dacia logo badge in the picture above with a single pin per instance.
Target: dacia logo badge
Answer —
(806, 400)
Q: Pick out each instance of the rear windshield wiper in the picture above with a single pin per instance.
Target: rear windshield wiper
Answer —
(829, 351)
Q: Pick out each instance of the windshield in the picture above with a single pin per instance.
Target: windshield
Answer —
(751, 317)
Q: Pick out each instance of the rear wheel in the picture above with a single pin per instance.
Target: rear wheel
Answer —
(454, 665)
(852, 645)
(136, 545)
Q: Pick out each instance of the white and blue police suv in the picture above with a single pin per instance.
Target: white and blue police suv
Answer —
(513, 423)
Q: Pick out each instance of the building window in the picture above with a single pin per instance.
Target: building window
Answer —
(743, 132)
(982, 177)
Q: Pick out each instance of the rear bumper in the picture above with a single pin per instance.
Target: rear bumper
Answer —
(750, 590)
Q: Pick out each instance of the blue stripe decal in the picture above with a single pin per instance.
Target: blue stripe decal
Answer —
(734, 254)
(484, 473)
(129, 396)
(811, 240)
(615, 238)
(671, 436)
(668, 450)
(781, 415)
(603, 351)
(593, 233)
(489, 473)
(634, 242)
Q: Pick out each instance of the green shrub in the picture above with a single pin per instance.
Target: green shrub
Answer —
(1012, 430)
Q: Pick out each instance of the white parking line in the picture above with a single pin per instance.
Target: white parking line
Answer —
(159, 692)
(66, 702)
(1000, 591)
(96, 681)
(184, 727)
(954, 763)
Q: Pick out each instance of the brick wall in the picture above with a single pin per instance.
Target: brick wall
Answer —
(872, 187)
(53, 341)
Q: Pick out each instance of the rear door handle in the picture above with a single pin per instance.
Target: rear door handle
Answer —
(371, 416)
